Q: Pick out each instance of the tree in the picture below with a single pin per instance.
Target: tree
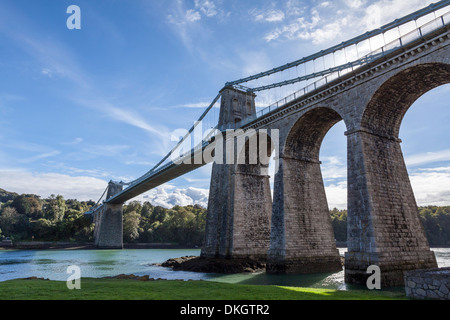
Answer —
(158, 214)
(55, 208)
(131, 228)
(133, 206)
(13, 224)
(339, 223)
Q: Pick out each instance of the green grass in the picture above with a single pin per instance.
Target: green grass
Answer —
(119, 289)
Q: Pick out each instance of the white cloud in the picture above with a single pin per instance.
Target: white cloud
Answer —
(337, 195)
(354, 4)
(332, 22)
(207, 7)
(333, 168)
(168, 196)
(82, 188)
(46, 72)
(192, 15)
(432, 186)
(269, 16)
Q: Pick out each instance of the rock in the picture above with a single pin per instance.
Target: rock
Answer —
(214, 265)
(432, 295)
(443, 289)
(132, 277)
(421, 292)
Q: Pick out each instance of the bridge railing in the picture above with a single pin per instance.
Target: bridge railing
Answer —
(402, 40)
(356, 47)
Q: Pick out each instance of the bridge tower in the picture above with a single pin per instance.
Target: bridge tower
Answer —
(240, 203)
(108, 220)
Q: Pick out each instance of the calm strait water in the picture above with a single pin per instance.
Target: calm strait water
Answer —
(52, 264)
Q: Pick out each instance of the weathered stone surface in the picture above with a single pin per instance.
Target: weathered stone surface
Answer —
(108, 221)
(240, 203)
(417, 284)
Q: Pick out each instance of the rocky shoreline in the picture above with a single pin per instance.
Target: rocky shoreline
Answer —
(214, 265)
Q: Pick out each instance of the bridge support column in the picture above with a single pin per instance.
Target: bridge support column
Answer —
(238, 216)
(108, 219)
(240, 202)
(302, 239)
(384, 227)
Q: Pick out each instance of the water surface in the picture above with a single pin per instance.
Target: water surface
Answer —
(53, 264)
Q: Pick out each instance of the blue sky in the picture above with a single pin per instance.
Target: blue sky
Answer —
(81, 107)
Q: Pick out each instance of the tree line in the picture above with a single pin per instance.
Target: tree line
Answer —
(28, 217)
(435, 220)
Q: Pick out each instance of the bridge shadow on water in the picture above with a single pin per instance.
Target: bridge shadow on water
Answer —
(330, 281)
(318, 280)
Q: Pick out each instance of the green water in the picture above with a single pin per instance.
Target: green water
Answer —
(53, 264)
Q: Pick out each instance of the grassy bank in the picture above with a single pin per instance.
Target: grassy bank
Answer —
(119, 289)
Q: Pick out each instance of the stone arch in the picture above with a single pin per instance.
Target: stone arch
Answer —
(385, 111)
(302, 238)
(306, 135)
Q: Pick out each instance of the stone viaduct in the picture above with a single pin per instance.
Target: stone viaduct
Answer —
(293, 231)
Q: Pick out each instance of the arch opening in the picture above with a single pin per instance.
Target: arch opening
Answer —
(302, 238)
(425, 134)
(386, 109)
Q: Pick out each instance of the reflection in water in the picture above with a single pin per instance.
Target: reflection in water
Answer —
(52, 264)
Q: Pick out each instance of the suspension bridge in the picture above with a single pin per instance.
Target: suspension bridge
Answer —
(369, 82)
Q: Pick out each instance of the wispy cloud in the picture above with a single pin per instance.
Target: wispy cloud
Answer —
(268, 16)
(428, 157)
(75, 141)
(40, 157)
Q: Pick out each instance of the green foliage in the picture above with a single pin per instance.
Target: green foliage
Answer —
(55, 208)
(13, 224)
(26, 217)
(339, 222)
(435, 220)
(148, 224)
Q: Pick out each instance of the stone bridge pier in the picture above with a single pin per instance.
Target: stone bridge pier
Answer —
(240, 203)
(108, 221)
